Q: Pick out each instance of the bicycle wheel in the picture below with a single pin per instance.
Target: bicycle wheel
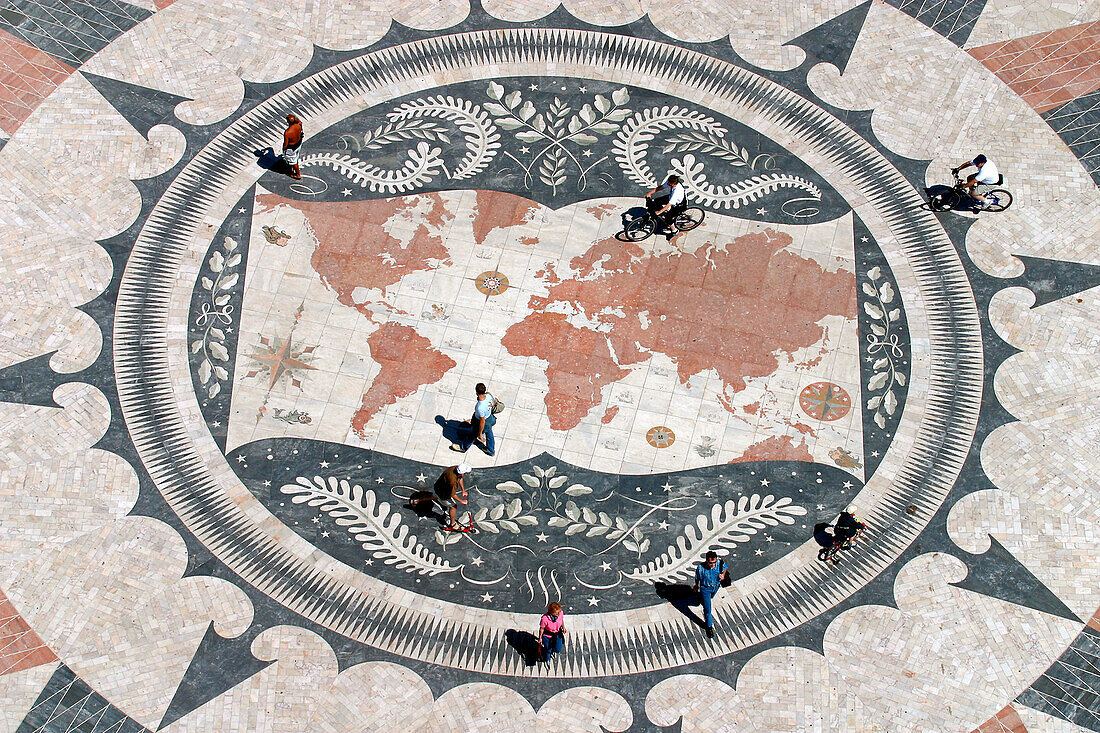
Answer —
(944, 201)
(638, 229)
(689, 218)
(998, 200)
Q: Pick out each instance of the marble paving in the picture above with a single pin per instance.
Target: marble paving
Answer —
(224, 390)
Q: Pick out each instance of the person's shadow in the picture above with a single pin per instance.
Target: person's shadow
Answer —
(525, 643)
(453, 430)
(682, 597)
(269, 160)
(628, 216)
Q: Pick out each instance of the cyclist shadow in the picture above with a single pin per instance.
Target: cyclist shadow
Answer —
(637, 212)
(938, 190)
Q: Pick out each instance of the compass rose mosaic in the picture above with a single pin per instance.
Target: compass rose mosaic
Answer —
(290, 364)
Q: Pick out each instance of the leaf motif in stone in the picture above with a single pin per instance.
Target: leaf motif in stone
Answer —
(899, 378)
(869, 289)
(509, 525)
(877, 329)
(887, 292)
(490, 528)
(207, 283)
(221, 373)
(575, 529)
(217, 261)
(526, 112)
(874, 402)
(873, 310)
(604, 128)
(528, 521)
(497, 110)
(557, 521)
(596, 530)
(620, 96)
(582, 139)
(557, 482)
(510, 487)
(204, 371)
(480, 514)
(572, 511)
(218, 351)
(874, 273)
(218, 334)
(215, 388)
(880, 420)
(233, 261)
(578, 490)
(229, 282)
(588, 515)
(895, 314)
(618, 115)
(537, 470)
(530, 480)
(889, 402)
(878, 381)
(495, 91)
(513, 99)
(196, 347)
(514, 508)
(528, 136)
(496, 512)
(222, 299)
(509, 123)
(603, 104)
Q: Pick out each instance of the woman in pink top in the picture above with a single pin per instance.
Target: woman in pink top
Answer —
(551, 630)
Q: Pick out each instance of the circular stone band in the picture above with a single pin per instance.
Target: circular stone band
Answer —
(162, 414)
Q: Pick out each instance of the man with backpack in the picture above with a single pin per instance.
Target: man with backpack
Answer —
(480, 426)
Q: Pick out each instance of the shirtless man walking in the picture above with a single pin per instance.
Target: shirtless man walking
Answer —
(292, 141)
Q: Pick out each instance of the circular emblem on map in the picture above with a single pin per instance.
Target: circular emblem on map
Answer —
(344, 403)
(660, 437)
(825, 401)
(491, 283)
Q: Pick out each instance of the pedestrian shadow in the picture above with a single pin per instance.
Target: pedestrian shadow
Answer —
(452, 429)
(682, 597)
(269, 160)
(525, 643)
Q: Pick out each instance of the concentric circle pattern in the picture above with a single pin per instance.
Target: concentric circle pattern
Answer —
(292, 438)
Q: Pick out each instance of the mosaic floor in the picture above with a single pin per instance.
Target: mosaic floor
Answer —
(221, 386)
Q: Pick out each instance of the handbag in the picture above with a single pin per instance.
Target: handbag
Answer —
(498, 406)
(725, 581)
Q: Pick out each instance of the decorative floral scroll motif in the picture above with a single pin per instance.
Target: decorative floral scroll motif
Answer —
(728, 524)
(555, 130)
(412, 123)
(883, 345)
(702, 134)
(215, 314)
(371, 522)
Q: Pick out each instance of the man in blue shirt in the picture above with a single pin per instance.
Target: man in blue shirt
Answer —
(708, 579)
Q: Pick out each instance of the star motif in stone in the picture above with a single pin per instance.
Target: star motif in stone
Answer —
(324, 464)
(316, 520)
(769, 538)
(487, 597)
(863, 239)
(662, 524)
(761, 211)
(874, 454)
(325, 533)
(240, 458)
(346, 192)
(368, 561)
(267, 483)
(582, 89)
(534, 87)
(758, 552)
(420, 477)
(605, 565)
(587, 154)
(847, 484)
(667, 486)
(279, 357)
(542, 537)
(242, 210)
(764, 482)
(593, 601)
(525, 149)
(216, 424)
(820, 507)
(380, 480)
(229, 329)
(477, 561)
(708, 492)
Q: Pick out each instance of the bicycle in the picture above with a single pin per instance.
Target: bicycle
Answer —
(642, 227)
(829, 554)
(996, 199)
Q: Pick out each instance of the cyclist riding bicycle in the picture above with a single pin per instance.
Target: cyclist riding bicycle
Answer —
(987, 174)
(667, 200)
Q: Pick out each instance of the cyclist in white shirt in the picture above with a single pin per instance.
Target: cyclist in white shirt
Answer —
(987, 174)
(664, 211)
